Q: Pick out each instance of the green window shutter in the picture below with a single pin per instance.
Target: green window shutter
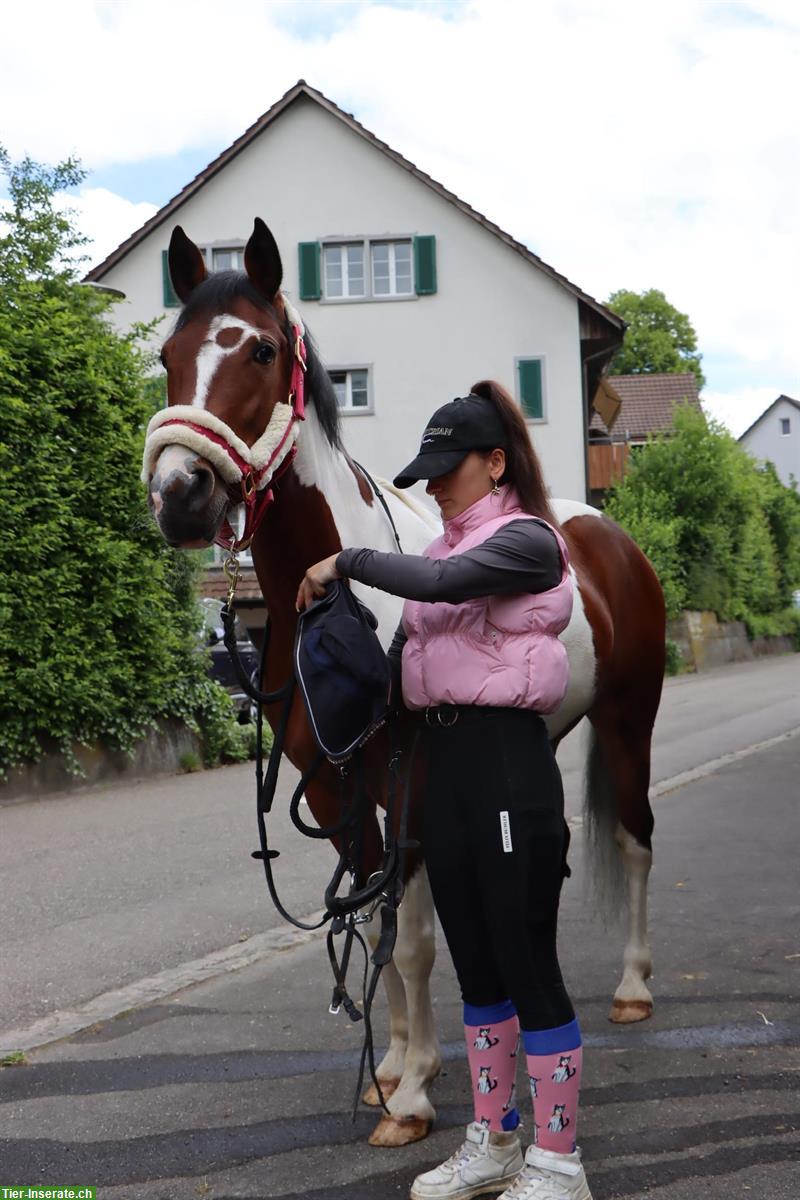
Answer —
(530, 388)
(170, 299)
(425, 265)
(308, 253)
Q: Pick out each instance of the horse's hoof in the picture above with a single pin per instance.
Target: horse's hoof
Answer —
(625, 1012)
(399, 1131)
(388, 1087)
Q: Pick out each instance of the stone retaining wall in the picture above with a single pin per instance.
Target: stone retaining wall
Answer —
(706, 642)
(159, 753)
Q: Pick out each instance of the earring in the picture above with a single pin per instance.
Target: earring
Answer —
(495, 488)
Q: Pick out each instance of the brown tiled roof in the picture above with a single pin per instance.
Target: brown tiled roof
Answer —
(767, 410)
(301, 88)
(214, 584)
(648, 404)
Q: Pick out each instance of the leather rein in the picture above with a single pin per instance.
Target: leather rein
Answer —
(249, 473)
(383, 890)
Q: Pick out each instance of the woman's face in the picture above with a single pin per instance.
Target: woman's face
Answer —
(470, 481)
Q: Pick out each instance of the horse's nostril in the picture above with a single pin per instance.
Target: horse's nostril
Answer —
(200, 488)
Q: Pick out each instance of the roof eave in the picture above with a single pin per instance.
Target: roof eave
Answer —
(766, 412)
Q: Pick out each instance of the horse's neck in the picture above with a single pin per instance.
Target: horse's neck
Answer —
(358, 518)
(318, 510)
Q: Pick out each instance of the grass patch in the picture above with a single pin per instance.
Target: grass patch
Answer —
(15, 1059)
(190, 761)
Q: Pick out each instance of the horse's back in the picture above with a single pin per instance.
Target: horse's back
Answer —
(617, 631)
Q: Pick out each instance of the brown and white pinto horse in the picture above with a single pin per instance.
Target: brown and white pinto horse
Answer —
(233, 357)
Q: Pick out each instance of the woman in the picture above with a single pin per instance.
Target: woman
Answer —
(480, 655)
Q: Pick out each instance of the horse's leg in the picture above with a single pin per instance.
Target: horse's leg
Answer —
(632, 999)
(390, 1069)
(618, 812)
(410, 1111)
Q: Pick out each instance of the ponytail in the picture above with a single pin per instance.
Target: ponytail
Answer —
(523, 469)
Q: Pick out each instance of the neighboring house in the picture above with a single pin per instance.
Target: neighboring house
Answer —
(775, 436)
(410, 293)
(627, 410)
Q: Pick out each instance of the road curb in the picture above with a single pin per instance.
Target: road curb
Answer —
(155, 987)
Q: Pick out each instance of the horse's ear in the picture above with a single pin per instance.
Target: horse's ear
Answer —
(262, 261)
(187, 266)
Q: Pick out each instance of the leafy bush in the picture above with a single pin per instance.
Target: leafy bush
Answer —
(722, 532)
(673, 658)
(99, 627)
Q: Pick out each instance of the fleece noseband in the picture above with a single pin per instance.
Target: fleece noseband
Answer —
(247, 470)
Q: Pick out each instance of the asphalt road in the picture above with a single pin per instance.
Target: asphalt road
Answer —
(105, 888)
(239, 1086)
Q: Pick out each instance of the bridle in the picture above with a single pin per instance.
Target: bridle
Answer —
(248, 471)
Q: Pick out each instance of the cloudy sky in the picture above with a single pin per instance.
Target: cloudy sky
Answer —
(629, 144)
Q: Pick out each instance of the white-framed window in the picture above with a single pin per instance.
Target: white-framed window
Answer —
(225, 258)
(368, 269)
(351, 385)
(392, 273)
(343, 270)
(786, 426)
(219, 256)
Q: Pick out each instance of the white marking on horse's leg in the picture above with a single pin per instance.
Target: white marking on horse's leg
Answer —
(390, 1069)
(632, 999)
(413, 956)
(211, 353)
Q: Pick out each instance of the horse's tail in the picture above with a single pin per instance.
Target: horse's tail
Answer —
(600, 825)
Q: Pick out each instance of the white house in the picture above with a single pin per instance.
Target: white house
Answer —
(775, 436)
(410, 293)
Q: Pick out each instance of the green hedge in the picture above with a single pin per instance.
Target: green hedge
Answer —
(98, 618)
(722, 531)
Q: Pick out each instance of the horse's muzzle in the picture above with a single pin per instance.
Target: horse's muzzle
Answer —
(187, 504)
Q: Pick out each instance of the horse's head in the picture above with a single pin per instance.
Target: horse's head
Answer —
(232, 361)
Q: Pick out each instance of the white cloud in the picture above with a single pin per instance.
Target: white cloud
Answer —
(100, 215)
(738, 409)
(631, 145)
(105, 218)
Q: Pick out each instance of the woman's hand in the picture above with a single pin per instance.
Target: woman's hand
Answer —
(313, 582)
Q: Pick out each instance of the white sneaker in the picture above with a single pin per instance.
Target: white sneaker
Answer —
(485, 1163)
(549, 1176)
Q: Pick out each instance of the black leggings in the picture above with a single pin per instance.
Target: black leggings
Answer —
(498, 905)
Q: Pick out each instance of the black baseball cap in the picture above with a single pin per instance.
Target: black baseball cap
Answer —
(465, 424)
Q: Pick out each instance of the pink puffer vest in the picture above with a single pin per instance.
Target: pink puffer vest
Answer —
(502, 651)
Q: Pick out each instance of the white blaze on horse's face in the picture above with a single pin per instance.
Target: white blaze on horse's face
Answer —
(216, 346)
(172, 459)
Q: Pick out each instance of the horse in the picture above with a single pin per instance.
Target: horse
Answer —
(242, 375)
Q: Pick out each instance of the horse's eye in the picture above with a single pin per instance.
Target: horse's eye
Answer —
(264, 352)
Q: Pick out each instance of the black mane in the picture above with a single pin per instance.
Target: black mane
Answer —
(215, 295)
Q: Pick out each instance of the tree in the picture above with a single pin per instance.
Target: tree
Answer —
(722, 532)
(98, 620)
(659, 339)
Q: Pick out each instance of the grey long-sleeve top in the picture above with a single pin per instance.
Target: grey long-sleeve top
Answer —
(523, 556)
